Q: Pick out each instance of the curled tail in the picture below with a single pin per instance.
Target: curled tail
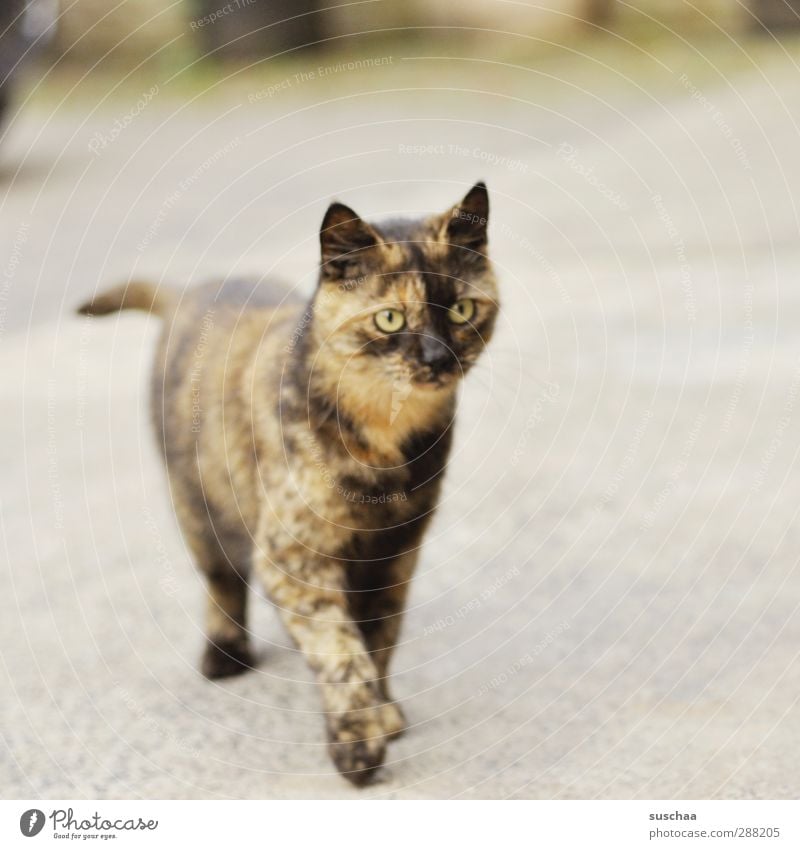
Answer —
(136, 295)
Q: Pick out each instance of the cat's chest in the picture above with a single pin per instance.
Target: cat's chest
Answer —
(329, 482)
(385, 496)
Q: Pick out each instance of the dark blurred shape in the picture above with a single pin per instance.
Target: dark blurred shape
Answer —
(26, 26)
(776, 15)
(254, 29)
(598, 12)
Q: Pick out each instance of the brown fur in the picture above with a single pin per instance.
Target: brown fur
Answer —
(305, 447)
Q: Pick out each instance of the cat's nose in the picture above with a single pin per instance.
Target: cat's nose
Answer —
(435, 351)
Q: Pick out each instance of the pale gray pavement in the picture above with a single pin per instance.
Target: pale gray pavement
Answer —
(608, 601)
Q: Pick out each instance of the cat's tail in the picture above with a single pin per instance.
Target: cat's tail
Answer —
(135, 295)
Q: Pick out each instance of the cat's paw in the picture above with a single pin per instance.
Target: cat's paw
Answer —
(357, 745)
(225, 658)
(392, 719)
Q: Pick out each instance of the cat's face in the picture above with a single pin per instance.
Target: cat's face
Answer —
(405, 302)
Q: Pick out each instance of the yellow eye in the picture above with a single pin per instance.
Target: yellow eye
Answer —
(390, 321)
(461, 311)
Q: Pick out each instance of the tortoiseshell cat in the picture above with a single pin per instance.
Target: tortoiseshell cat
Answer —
(305, 443)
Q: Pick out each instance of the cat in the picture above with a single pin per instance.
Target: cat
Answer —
(305, 443)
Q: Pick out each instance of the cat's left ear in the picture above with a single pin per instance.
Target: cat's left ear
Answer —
(343, 237)
(465, 224)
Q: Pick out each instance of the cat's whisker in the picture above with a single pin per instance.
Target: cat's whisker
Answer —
(528, 377)
(494, 387)
(523, 372)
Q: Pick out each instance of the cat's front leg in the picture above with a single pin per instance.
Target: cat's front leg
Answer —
(377, 599)
(308, 591)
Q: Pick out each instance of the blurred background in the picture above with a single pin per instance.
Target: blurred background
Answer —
(608, 602)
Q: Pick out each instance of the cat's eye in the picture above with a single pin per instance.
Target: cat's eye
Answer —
(390, 321)
(461, 311)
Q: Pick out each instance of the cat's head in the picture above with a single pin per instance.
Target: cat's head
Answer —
(405, 301)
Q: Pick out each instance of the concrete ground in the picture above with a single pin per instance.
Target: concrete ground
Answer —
(608, 602)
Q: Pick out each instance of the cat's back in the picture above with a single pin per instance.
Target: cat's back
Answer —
(226, 315)
(207, 345)
(241, 294)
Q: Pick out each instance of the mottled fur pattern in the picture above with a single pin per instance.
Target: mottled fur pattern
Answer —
(305, 447)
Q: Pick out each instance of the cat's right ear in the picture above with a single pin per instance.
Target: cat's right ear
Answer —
(466, 223)
(343, 236)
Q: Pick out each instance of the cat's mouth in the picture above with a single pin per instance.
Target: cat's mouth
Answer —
(427, 380)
